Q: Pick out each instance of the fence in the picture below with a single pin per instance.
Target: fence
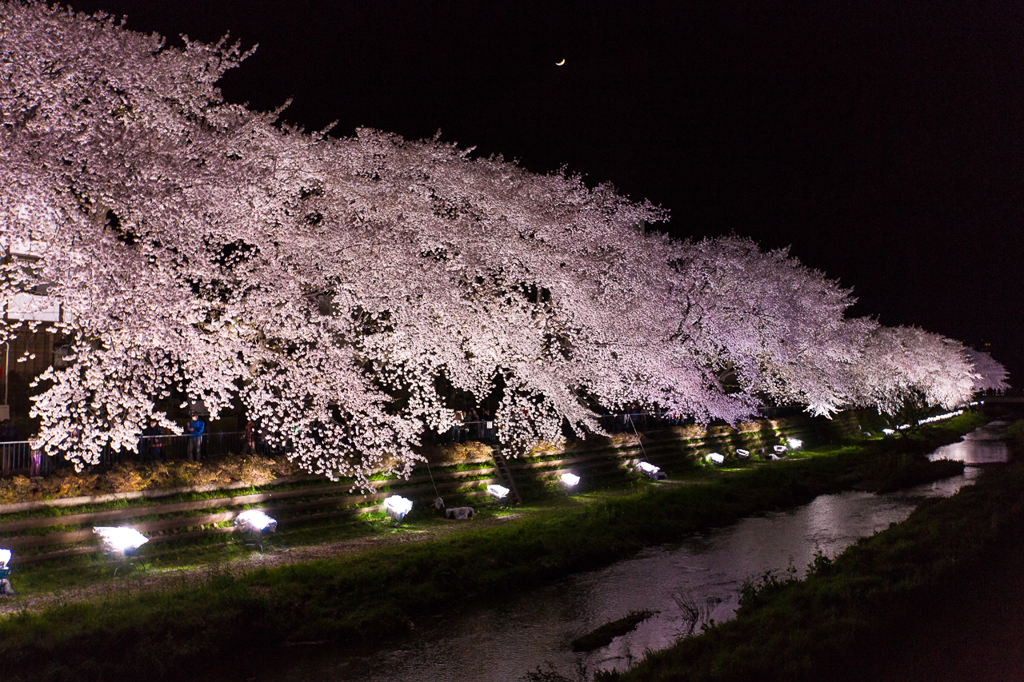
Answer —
(16, 456)
(486, 431)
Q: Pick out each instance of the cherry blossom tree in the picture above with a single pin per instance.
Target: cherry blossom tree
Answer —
(333, 286)
(903, 364)
(991, 375)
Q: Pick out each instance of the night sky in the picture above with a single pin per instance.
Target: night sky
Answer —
(881, 141)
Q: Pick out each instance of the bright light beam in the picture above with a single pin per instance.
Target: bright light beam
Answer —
(120, 540)
(397, 507)
(498, 492)
(255, 521)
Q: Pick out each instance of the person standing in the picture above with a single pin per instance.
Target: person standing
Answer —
(250, 438)
(195, 438)
(153, 441)
(36, 453)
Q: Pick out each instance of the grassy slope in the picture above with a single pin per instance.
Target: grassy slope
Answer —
(361, 598)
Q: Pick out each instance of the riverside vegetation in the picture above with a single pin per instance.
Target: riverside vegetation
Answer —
(233, 620)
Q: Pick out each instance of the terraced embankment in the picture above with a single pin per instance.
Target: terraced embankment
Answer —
(52, 529)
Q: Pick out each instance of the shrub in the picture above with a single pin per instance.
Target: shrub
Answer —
(128, 477)
(1016, 434)
(17, 489)
(256, 469)
(69, 483)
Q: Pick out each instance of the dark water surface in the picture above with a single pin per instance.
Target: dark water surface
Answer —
(985, 445)
(499, 641)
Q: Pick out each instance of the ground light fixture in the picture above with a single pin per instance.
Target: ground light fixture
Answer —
(5, 570)
(651, 471)
(741, 453)
(716, 458)
(397, 507)
(780, 449)
(459, 513)
(120, 540)
(498, 492)
(939, 417)
(255, 521)
(570, 480)
(888, 432)
(794, 443)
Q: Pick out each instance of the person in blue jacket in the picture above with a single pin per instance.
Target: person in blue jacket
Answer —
(195, 430)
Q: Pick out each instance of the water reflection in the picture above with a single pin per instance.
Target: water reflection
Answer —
(502, 640)
(985, 445)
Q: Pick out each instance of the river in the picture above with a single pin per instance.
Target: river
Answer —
(501, 640)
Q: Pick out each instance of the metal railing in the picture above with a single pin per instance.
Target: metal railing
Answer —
(16, 456)
(486, 431)
(174, 448)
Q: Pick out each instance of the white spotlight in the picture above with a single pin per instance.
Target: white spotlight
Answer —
(716, 458)
(397, 507)
(651, 471)
(498, 492)
(740, 452)
(794, 443)
(459, 513)
(570, 480)
(5, 570)
(888, 432)
(255, 521)
(780, 449)
(123, 541)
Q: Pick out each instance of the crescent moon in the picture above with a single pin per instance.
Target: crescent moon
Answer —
(561, 63)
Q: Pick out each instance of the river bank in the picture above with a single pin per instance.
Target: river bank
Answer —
(367, 596)
(934, 598)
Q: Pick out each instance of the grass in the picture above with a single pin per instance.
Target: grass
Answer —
(365, 598)
(604, 635)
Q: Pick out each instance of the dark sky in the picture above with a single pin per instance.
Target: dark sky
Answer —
(881, 141)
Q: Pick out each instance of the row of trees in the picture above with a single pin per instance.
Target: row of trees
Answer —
(334, 286)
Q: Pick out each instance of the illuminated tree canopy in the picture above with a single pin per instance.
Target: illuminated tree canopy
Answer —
(331, 286)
